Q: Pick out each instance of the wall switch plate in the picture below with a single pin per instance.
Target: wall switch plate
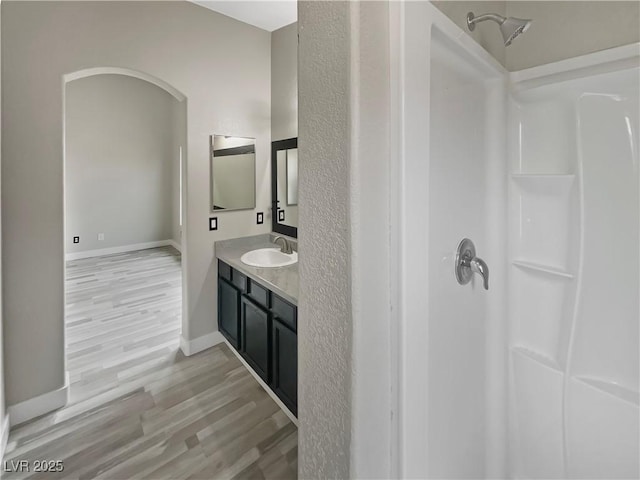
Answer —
(213, 223)
(76, 239)
(101, 236)
(260, 218)
(281, 215)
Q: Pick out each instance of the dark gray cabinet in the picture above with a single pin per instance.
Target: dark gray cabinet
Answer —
(262, 327)
(228, 311)
(284, 379)
(255, 328)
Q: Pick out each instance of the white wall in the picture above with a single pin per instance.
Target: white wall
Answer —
(221, 65)
(119, 162)
(284, 82)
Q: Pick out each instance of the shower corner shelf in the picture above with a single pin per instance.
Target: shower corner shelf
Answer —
(611, 388)
(538, 358)
(539, 267)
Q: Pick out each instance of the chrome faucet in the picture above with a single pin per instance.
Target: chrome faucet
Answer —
(467, 264)
(286, 245)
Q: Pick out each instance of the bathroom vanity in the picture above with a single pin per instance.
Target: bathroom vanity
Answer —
(257, 314)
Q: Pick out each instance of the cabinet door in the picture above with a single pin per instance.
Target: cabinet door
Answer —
(285, 365)
(228, 312)
(256, 339)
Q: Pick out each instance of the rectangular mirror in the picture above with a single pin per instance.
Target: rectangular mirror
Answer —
(233, 173)
(284, 186)
(292, 177)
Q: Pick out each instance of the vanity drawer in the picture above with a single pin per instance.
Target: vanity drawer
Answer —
(258, 293)
(239, 280)
(286, 313)
(224, 270)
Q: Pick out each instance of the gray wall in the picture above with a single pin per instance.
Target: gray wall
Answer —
(2, 393)
(560, 30)
(119, 162)
(179, 138)
(284, 82)
(488, 36)
(324, 328)
(221, 65)
(563, 30)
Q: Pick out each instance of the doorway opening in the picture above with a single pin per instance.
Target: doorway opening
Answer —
(124, 200)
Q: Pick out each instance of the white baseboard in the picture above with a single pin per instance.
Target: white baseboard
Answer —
(175, 245)
(36, 406)
(124, 248)
(191, 347)
(4, 436)
(262, 383)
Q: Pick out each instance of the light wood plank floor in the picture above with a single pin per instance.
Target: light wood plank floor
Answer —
(138, 407)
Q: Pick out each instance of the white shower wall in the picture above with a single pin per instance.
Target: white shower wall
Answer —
(574, 276)
(538, 377)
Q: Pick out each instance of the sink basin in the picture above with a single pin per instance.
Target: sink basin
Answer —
(268, 258)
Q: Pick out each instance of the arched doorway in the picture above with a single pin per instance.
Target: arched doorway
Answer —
(128, 301)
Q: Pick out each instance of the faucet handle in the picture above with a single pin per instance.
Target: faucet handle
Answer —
(467, 264)
(478, 266)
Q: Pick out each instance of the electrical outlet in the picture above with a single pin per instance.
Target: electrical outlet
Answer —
(213, 223)
(260, 218)
(76, 239)
(101, 236)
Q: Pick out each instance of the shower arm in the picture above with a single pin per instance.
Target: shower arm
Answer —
(472, 20)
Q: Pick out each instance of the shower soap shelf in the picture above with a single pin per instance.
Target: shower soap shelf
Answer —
(538, 358)
(614, 389)
(538, 267)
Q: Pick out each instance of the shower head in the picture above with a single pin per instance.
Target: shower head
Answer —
(509, 27)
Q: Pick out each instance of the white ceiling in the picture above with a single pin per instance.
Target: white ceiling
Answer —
(269, 15)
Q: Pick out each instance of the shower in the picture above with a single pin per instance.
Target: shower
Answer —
(510, 27)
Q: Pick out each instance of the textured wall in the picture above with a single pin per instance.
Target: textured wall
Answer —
(118, 162)
(563, 30)
(284, 82)
(221, 65)
(324, 329)
(371, 224)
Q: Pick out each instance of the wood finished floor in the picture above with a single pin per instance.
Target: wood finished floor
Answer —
(138, 407)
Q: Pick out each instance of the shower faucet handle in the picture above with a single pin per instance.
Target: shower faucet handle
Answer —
(467, 264)
(478, 266)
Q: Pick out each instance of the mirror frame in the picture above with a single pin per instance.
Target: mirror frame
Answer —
(212, 210)
(275, 226)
